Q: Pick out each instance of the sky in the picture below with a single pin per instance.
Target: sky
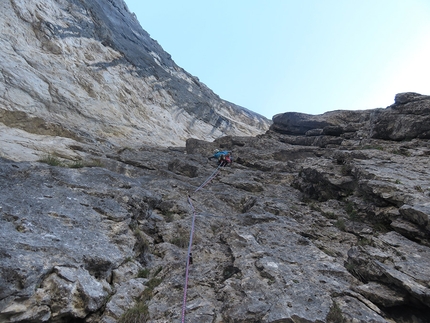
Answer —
(309, 56)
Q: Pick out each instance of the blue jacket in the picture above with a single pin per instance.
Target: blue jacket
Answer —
(220, 153)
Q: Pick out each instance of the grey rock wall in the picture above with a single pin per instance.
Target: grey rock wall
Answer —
(406, 119)
(321, 219)
(289, 233)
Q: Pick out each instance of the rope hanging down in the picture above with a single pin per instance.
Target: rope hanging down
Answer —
(211, 177)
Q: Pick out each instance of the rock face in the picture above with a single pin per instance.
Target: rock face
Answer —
(333, 229)
(407, 118)
(321, 219)
(87, 71)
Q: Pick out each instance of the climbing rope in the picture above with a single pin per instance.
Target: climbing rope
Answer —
(211, 177)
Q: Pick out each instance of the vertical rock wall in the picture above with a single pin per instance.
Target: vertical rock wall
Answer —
(87, 68)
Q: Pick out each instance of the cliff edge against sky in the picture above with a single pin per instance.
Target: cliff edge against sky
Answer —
(87, 71)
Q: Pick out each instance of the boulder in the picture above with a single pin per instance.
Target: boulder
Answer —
(332, 123)
(406, 119)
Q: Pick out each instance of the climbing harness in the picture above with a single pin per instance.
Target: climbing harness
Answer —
(211, 177)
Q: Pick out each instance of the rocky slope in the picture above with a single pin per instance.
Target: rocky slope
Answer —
(322, 219)
(86, 71)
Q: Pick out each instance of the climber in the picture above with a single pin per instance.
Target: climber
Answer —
(217, 154)
(224, 157)
(226, 160)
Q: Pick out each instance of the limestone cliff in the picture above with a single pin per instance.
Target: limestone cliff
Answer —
(86, 70)
(103, 139)
(329, 223)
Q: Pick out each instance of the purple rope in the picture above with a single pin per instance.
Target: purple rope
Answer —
(184, 304)
(211, 177)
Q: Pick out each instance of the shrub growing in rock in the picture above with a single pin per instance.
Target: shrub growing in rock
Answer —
(51, 160)
(335, 314)
(137, 314)
(143, 273)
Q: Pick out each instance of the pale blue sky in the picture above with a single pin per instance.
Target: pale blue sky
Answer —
(306, 56)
